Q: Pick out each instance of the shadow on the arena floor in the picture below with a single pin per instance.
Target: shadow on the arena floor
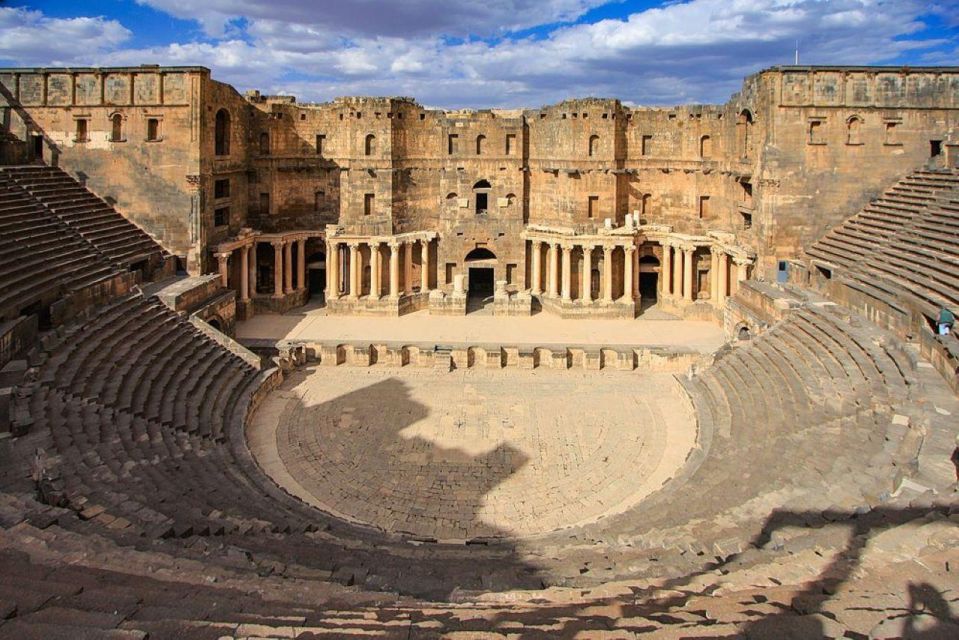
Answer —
(357, 459)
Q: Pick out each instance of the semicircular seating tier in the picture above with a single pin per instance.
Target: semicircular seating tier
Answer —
(903, 246)
(140, 417)
(95, 220)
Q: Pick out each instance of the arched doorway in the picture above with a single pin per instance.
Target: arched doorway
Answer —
(744, 124)
(648, 279)
(480, 268)
(316, 273)
(481, 191)
(222, 133)
(215, 323)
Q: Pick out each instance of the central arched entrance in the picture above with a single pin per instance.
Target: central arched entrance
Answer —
(648, 280)
(481, 277)
(316, 274)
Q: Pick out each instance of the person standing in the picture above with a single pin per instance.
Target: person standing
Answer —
(946, 320)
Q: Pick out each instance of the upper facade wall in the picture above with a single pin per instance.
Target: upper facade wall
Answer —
(134, 132)
(794, 152)
(831, 139)
(899, 88)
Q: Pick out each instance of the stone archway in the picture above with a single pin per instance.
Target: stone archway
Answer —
(649, 268)
(481, 278)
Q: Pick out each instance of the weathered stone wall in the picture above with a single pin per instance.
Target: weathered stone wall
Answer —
(229, 168)
(794, 152)
(149, 180)
(834, 138)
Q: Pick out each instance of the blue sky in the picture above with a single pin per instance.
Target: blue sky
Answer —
(494, 53)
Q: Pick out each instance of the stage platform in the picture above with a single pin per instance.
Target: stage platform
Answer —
(652, 330)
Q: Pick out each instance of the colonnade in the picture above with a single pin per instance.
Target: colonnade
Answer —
(345, 265)
(677, 271)
(283, 272)
(559, 276)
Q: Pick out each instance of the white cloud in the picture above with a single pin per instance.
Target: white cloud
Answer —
(31, 38)
(695, 51)
(392, 18)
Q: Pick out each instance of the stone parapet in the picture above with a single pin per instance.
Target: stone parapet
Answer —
(596, 309)
(475, 356)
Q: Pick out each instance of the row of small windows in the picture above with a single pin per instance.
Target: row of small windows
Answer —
(82, 133)
(854, 125)
(480, 144)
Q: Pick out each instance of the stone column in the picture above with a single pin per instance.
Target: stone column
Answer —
(408, 270)
(288, 266)
(355, 270)
(666, 271)
(550, 269)
(742, 270)
(424, 266)
(301, 264)
(688, 273)
(677, 272)
(224, 262)
(566, 271)
(244, 274)
(723, 278)
(587, 292)
(607, 274)
(536, 286)
(635, 254)
(252, 275)
(277, 268)
(628, 253)
(332, 268)
(713, 274)
(394, 270)
(375, 266)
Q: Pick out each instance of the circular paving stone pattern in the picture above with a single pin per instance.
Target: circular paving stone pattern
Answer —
(475, 454)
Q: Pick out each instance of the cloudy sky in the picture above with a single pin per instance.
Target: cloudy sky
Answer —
(481, 53)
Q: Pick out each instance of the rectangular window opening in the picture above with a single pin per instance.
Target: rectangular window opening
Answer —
(82, 130)
(935, 148)
(647, 145)
(221, 188)
(153, 129)
(320, 141)
(592, 206)
(368, 204)
(221, 217)
(451, 144)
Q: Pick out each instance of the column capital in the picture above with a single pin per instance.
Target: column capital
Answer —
(742, 261)
(629, 248)
(607, 249)
(224, 255)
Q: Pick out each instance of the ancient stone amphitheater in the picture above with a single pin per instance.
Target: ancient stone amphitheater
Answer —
(159, 479)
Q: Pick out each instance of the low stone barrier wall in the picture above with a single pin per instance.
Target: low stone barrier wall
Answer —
(451, 357)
